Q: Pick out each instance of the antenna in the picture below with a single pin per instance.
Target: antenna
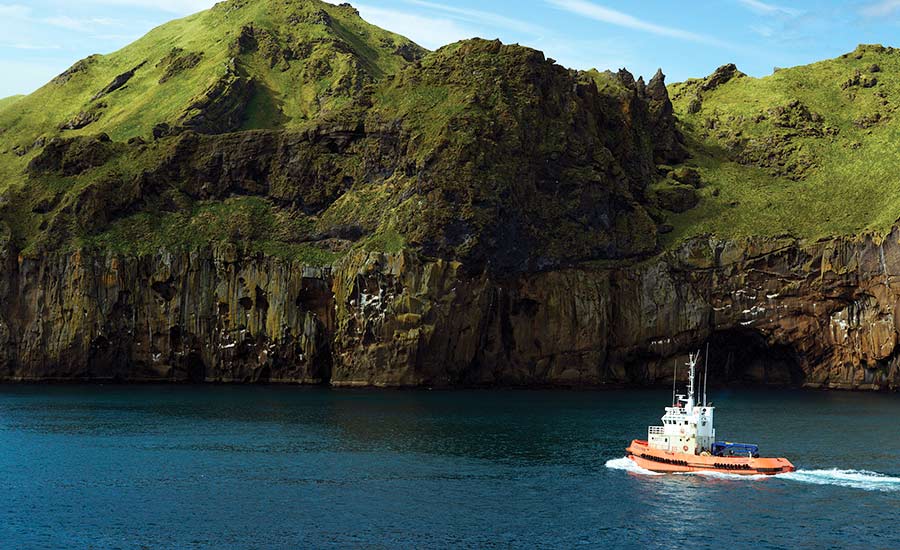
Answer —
(705, 373)
(692, 363)
(674, 378)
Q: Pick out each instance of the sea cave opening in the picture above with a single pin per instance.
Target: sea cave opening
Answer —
(745, 356)
(196, 368)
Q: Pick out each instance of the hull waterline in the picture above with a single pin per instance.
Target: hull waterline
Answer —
(661, 461)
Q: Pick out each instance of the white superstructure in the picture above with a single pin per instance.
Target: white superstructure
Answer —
(687, 426)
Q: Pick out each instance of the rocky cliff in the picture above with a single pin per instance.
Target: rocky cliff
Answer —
(776, 312)
(323, 202)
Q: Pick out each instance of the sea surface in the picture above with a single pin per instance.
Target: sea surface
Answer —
(285, 467)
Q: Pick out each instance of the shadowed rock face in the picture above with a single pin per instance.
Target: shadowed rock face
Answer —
(210, 316)
(776, 312)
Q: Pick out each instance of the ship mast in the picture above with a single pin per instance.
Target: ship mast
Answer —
(692, 363)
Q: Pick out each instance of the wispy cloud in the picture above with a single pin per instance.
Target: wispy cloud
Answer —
(29, 46)
(764, 30)
(435, 24)
(621, 19)
(882, 8)
(80, 24)
(431, 32)
(180, 7)
(596, 53)
(15, 11)
(480, 17)
(16, 26)
(765, 8)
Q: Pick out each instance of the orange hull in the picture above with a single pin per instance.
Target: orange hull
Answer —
(656, 460)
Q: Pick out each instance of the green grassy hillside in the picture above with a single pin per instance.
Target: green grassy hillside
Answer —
(524, 166)
(239, 65)
(294, 128)
(809, 151)
(7, 101)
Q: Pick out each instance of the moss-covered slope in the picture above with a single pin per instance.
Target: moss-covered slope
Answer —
(7, 101)
(809, 151)
(242, 64)
(297, 130)
(239, 66)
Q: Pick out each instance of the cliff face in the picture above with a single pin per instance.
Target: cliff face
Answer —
(309, 199)
(776, 312)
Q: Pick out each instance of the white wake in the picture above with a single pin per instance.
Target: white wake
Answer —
(857, 479)
(629, 465)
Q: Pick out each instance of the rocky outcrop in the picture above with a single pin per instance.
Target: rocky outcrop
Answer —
(860, 80)
(677, 198)
(722, 75)
(309, 169)
(819, 314)
(176, 62)
(80, 67)
(779, 141)
(72, 156)
(85, 118)
(118, 82)
(222, 107)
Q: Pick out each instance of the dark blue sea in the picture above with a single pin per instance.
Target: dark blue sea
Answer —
(282, 467)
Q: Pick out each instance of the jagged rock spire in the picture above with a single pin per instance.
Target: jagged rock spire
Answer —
(626, 78)
(656, 89)
(668, 143)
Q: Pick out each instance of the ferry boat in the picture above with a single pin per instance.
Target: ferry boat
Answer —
(686, 442)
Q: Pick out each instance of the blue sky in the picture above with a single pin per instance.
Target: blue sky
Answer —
(40, 38)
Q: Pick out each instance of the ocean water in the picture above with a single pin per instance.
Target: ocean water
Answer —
(282, 467)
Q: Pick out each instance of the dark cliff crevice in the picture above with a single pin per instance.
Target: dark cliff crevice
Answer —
(746, 356)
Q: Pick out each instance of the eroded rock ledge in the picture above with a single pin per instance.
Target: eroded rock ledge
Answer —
(777, 311)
